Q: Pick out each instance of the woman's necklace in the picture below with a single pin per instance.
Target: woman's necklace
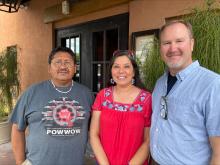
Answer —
(60, 90)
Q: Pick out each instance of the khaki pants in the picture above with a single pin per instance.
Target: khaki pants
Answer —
(26, 162)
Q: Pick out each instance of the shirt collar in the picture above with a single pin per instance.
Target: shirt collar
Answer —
(187, 71)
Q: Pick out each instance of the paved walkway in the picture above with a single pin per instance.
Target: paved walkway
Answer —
(6, 156)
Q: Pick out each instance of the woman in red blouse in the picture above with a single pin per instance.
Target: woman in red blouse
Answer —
(119, 132)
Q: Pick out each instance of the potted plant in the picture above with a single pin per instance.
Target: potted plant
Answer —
(9, 88)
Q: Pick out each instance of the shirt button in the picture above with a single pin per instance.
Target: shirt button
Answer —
(157, 129)
(155, 145)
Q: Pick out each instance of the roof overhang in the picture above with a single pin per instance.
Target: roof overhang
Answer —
(11, 6)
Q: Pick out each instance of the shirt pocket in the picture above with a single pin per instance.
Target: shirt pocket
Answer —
(184, 112)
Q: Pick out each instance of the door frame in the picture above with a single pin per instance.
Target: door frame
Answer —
(85, 31)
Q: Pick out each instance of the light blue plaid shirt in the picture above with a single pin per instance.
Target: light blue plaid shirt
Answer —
(193, 116)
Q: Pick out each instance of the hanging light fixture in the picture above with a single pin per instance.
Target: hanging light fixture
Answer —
(66, 7)
(10, 6)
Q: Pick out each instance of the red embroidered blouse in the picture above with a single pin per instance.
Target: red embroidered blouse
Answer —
(122, 125)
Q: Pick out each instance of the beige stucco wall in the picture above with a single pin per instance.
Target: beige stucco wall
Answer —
(35, 39)
(148, 14)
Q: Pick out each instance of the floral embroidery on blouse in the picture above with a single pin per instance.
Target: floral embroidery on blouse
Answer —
(109, 103)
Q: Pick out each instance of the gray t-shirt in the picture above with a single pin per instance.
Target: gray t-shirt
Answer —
(57, 123)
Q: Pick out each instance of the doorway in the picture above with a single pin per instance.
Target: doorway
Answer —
(94, 42)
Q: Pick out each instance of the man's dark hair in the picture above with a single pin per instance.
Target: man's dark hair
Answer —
(61, 49)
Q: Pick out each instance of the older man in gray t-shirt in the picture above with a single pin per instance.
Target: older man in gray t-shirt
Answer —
(56, 113)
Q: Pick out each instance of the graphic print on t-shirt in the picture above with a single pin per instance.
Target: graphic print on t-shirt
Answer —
(63, 117)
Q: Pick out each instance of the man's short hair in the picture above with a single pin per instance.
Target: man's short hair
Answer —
(185, 23)
(61, 49)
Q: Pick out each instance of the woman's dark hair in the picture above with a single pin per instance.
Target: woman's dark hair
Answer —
(61, 49)
(130, 55)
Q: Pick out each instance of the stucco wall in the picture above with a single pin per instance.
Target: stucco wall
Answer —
(35, 38)
(148, 14)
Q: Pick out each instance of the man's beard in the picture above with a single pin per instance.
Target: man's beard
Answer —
(176, 65)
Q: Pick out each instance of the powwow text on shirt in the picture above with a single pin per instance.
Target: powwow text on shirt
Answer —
(63, 132)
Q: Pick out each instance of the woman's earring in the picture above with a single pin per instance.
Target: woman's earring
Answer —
(112, 81)
(132, 80)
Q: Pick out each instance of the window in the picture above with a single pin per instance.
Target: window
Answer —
(142, 44)
(104, 44)
(74, 44)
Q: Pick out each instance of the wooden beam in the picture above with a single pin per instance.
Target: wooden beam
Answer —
(82, 7)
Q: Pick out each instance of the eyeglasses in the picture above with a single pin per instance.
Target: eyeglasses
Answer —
(163, 108)
(122, 52)
(59, 63)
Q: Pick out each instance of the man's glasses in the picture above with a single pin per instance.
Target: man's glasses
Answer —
(123, 52)
(59, 63)
(163, 108)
